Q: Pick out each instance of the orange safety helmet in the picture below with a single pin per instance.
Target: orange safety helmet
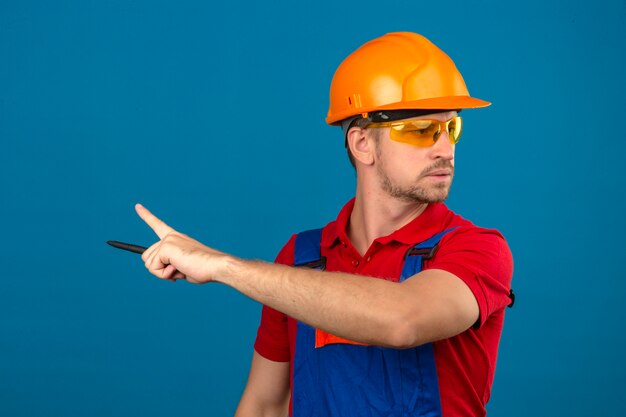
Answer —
(397, 71)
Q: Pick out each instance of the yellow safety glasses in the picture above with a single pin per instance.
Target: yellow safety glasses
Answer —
(422, 132)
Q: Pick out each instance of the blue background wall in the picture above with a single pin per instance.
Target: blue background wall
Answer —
(213, 117)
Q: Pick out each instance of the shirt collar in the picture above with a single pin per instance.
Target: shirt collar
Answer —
(427, 224)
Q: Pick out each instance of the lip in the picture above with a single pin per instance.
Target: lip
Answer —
(439, 173)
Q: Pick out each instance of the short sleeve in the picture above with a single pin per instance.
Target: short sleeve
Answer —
(272, 340)
(483, 260)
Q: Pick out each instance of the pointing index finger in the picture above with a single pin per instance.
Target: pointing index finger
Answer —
(160, 228)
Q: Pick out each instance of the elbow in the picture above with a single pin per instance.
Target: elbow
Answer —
(405, 333)
(411, 329)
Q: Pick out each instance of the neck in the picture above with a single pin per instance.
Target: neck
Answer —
(376, 214)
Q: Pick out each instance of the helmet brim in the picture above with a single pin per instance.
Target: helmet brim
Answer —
(435, 103)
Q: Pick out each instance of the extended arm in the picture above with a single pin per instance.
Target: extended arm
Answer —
(432, 305)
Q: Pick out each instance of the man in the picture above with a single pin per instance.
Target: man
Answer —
(406, 317)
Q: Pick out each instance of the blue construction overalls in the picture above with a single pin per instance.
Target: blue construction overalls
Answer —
(353, 380)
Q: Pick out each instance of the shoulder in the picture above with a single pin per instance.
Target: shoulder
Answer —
(287, 253)
(465, 235)
(476, 237)
(479, 247)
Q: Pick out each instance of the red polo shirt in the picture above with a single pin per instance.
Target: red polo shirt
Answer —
(480, 257)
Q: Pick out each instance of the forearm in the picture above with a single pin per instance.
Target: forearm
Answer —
(358, 308)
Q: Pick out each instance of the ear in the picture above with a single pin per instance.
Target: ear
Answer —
(361, 145)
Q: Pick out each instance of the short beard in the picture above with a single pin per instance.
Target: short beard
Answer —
(416, 193)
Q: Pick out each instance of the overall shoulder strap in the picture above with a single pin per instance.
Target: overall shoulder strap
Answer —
(414, 258)
(307, 250)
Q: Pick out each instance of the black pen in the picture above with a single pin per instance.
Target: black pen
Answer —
(127, 246)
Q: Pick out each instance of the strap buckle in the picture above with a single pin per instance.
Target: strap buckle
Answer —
(425, 253)
(318, 264)
(512, 297)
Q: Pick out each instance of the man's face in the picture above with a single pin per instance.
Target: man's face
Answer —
(414, 174)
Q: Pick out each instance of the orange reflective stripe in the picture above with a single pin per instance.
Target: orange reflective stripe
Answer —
(322, 339)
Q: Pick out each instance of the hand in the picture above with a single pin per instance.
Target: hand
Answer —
(177, 256)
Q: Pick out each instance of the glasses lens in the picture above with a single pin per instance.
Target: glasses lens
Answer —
(415, 132)
(455, 127)
(423, 132)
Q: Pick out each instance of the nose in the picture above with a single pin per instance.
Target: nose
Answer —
(443, 148)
